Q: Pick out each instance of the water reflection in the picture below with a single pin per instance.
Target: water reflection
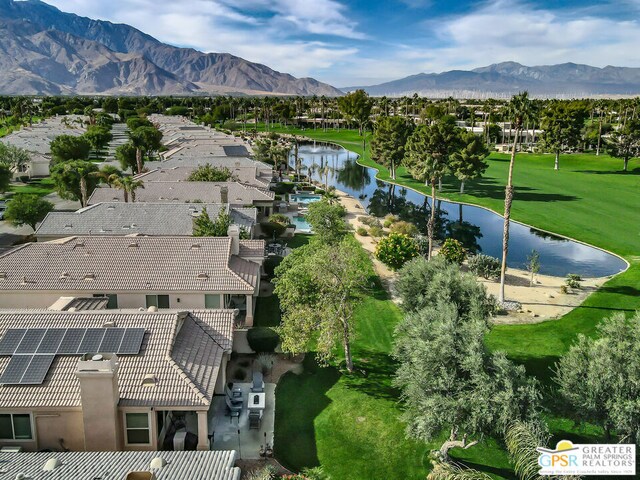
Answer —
(477, 229)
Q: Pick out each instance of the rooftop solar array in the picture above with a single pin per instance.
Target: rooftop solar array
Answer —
(33, 350)
(71, 341)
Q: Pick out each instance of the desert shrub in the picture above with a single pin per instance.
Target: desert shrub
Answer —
(371, 221)
(390, 219)
(376, 231)
(422, 242)
(263, 339)
(404, 227)
(453, 251)
(361, 231)
(395, 250)
(484, 266)
(564, 289)
(573, 281)
(265, 362)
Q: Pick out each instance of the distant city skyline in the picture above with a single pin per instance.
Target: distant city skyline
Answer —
(364, 42)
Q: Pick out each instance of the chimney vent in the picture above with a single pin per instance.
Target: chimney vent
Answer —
(51, 464)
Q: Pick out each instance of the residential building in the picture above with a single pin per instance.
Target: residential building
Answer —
(232, 193)
(136, 272)
(247, 175)
(106, 380)
(121, 465)
(156, 219)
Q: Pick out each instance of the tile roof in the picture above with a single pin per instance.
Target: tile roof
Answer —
(141, 264)
(247, 175)
(182, 192)
(186, 363)
(119, 218)
(204, 465)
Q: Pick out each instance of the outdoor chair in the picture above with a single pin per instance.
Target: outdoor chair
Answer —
(257, 385)
(233, 407)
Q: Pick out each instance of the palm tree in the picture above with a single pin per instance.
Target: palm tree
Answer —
(520, 111)
(428, 154)
(128, 185)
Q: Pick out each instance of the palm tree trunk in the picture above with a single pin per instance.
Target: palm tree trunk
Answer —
(508, 198)
(599, 136)
(556, 165)
(462, 186)
(126, 195)
(393, 170)
(432, 218)
(83, 191)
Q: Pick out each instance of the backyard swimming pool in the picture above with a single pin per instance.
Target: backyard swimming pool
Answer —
(304, 198)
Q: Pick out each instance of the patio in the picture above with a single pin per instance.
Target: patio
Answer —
(233, 433)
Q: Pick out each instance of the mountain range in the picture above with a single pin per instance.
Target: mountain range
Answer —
(49, 52)
(507, 78)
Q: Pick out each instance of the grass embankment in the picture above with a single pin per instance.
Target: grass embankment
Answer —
(589, 199)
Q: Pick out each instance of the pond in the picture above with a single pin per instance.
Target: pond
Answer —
(479, 230)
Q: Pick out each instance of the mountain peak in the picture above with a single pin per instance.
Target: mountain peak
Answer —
(100, 54)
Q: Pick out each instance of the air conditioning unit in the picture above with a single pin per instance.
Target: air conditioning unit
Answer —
(11, 448)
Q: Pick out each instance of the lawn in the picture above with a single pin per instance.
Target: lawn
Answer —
(350, 424)
(589, 199)
(38, 186)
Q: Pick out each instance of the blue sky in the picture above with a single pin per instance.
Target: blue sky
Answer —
(363, 42)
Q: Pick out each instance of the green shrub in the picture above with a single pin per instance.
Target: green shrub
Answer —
(239, 374)
(271, 263)
(361, 231)
(395, 250)
(283, 187)
(404, 227)
(453, 251)
(564, 289)
(485, 266)
(263, 339)
(371, 221)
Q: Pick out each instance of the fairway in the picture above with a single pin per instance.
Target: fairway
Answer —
(574, 201)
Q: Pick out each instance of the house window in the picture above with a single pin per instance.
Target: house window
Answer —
(137, 428)
(160, 301)
(211, 301)
(113, 299)
(15, 426)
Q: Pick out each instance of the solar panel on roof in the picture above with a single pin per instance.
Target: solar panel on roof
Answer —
(37, 370)
(51, 340)
(132, 341)
(31, 340)
(11, 340)
(92, 340)
(111, 341)
(15, 369)
(71, 341)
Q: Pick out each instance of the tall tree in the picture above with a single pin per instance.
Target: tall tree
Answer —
(75, 179)
(428, 155)
(127, 156)
(145, 140)
(327, 221)
(127, 184)
(600, 377)
(562, 126)
(520, 110)
(469, 162)
(624, 142)
(356, 107)
(14, 157)
(5, 177)
(69, 147)
(205, 226)
(27, 209)
(319, 286)
(98, 137)
(389, 141)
